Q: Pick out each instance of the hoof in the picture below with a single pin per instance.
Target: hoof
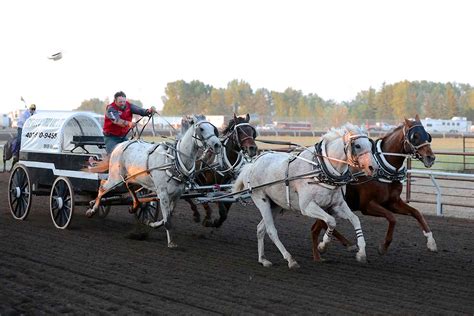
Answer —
(90, 212)
(362, 258)
(265, 263)
(292, 264)
(382, 250)
(431, 244)
(172, 245)
(322, 248)
(352, 248)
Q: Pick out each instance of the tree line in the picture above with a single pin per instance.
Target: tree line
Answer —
(390, 102)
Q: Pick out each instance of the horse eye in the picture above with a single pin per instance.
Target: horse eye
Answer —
(357, 146)
(201, 129)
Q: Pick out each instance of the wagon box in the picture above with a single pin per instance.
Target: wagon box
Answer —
(55, 148)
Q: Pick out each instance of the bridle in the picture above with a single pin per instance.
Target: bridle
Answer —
(199, 137)
(237, 138)
(352, 158)
(408, 136)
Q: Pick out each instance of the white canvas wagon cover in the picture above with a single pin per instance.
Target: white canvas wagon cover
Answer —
(53, 131)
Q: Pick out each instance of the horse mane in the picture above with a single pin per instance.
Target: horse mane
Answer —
(232, 123)
(391, 132)
(335, 133)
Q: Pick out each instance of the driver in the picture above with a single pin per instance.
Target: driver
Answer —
(118, 120)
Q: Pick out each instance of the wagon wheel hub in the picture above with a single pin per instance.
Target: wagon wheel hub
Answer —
(60, 202)
(17, 192)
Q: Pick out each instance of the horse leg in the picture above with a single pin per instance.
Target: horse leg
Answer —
(103, 188)
(263, 204)
(316, 230)
(343, 211)
(166, 209)
(375, 209)
(207, 221)
(261, 244)
(315, 211)
(403, 208)
(135, 203)
(196, 215)
(223, 211)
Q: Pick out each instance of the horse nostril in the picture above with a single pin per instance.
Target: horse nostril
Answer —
(371, 168)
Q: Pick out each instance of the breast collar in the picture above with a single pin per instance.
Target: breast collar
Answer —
(229, 167)
(328, 174)
(386, 172)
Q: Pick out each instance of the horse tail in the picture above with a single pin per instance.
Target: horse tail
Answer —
(239, 184)
(101, 166)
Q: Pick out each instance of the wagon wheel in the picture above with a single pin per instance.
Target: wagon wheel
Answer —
(61, 201)
(19, 192)
(148, 212)
(103, 211)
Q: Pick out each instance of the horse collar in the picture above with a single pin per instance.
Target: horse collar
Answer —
(387, 172)
(230, 167)
(328, 174)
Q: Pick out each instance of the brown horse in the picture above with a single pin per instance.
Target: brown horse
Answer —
(380, 196)
(238, 140)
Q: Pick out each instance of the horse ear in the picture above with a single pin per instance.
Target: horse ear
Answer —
(417, 117)
(407, 122)
(247, 118)
(235, 117)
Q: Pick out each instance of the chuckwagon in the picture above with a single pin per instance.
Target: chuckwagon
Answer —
(56, 146)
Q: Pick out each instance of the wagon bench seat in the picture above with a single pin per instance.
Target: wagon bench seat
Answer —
(82, 141)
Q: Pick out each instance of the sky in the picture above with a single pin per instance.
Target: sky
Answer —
(332, 48)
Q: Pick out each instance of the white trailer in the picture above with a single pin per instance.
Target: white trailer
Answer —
(455, 125)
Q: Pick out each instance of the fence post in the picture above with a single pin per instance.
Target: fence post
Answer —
(464, 150)
(408, 189)
(439, 203)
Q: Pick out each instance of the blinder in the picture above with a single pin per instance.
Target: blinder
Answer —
(240, 125)
(423, 136)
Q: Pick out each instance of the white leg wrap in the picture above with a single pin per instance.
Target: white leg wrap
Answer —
(430, 243)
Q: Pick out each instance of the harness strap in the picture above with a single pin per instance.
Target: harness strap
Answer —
(287, 181)
(150, 152)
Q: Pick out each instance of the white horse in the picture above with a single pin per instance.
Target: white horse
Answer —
(162, 168)
(317, 196)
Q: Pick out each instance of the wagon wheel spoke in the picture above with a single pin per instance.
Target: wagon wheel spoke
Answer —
(57, 214)
(14, 198)
(65, 214)
(16, 207)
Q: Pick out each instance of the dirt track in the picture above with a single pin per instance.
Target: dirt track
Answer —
(94, 268)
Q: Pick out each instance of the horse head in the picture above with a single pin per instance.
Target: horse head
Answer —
(242, 135)
(358, 148)
(417, 141)
(205, 133)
